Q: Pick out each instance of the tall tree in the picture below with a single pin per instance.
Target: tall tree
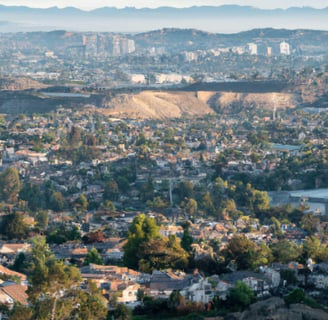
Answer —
(187, 239)
(10, 185)
(162, 253)
(141, 230)
(57, 201)
(245, 253)
(92, 304)
(48, 276)
(33, 195)
(13, 226)
(81, 202)
(111, 191)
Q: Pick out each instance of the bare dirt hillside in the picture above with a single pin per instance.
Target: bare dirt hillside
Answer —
(223, 100)
(156, 105)
(20, 83)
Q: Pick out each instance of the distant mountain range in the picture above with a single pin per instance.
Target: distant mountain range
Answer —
(223, 19)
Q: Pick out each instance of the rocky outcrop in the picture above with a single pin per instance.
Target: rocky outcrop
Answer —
(276, 309)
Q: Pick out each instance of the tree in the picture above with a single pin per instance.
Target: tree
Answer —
(122, 312)
(47, 275)
(175, 300)
(187, 239)
(75, 137)
(33, 195)
(309, 223)
(260, 201)
(141, 230)
(285, 251)
(92, 305)
(162, 253)
(10, 185)
(313, 248)
(20, 263)
(296, 296)
(240, 297)
(109, 205)
(157, 204)
(20, 312)
(219, 164)
(93, 256)
(185, 190)
(42, 219)
(111, 191)
(13, 226)
(82, 202)
(191, 206)
(245, 253)
(207, 204)
(60, 233)
(53, 286)
(147, 190)
(57, 201)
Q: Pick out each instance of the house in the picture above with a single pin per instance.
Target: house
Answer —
(259, 286)
(162, 283)
(113, 272)
(114, 254)
(168, 230)
(200, 291)
(222, 289)
(128, 292)
(13, 248)
(10, 273)
(258, 282)
(11, 292)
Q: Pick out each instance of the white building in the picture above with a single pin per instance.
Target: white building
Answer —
(284, 48)
(252, 48)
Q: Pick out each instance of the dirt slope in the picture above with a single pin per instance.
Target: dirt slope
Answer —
(20, 83)
(161, 105)
(157, 105)
(222, 100)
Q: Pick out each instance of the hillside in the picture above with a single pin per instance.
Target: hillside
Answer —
(161, 105)
(156, 105)
(20, 83)
(224, 101)
(275, 309)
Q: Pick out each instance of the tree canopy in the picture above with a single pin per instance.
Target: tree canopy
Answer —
(147, 250)
(10, 185)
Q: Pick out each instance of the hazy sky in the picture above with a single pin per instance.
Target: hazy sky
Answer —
(91, 4)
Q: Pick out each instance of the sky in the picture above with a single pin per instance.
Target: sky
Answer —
(92, 4)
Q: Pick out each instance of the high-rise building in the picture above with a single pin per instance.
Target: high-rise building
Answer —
(284, 48)
(252, 48)
(269, 51)
(127, 46)
(122, 46)
(116, 46)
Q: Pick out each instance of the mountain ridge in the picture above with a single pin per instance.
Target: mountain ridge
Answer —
(224, 18)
